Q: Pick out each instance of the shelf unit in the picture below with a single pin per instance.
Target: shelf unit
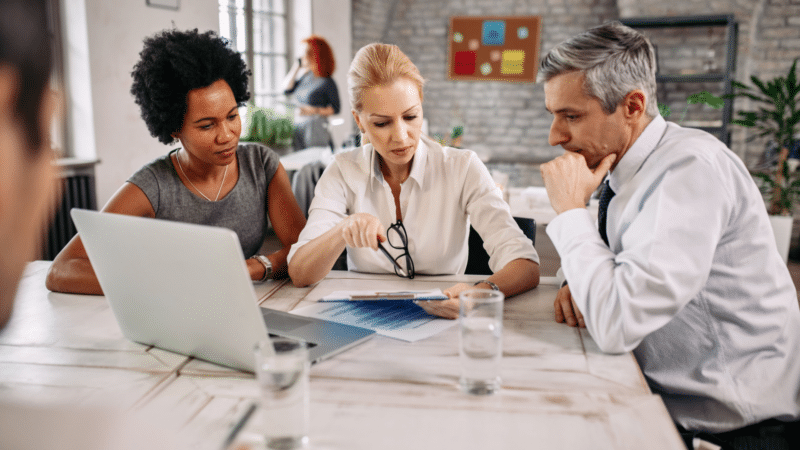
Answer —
(726, 77)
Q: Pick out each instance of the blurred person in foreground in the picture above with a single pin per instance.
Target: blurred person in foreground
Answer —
(28, 190)
(28, 183)
(682, 267)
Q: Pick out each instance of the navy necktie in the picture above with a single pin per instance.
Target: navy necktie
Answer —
(605, 198)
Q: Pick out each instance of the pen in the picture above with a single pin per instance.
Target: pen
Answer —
(385, 252)
(237, 427)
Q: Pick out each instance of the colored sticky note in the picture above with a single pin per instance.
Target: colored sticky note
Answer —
(464, 63)
(494, 32)
(512, 63)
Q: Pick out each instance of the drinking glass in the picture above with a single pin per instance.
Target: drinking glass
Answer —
(282, 371)
(480, 340)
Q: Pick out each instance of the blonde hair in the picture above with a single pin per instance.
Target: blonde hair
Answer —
(379, 65)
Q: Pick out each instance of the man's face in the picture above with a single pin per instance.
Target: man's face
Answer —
(579, 123)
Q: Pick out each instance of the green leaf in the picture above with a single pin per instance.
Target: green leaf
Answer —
(760, 85)
(664, 110)
(740, 85)
(706, 98)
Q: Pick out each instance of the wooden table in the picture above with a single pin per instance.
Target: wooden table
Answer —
(559, 391)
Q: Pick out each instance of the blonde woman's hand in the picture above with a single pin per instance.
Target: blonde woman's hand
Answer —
(363, 230)
(445, 308)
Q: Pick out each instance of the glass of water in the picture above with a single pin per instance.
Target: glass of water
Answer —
(480, 340)
(282, 371)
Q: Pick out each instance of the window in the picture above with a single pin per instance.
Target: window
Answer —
(59, 126)
(259, 30)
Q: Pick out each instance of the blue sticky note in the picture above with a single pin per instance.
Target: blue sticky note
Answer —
(494, 32)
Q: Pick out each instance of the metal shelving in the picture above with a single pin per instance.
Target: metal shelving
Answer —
(726, 76)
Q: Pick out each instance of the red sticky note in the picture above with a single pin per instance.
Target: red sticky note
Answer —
(465, 63)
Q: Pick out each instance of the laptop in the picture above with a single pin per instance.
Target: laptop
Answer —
(185, 288)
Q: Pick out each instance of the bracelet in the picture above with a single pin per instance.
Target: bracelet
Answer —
(491, 285)
(267, 266)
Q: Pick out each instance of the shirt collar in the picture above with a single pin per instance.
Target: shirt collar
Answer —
(633, 159)
(417, 164)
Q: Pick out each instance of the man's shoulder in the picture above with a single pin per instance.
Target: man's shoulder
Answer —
(686, 145)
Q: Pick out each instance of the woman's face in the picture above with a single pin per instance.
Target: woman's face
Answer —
(211, 127)
(391, 118)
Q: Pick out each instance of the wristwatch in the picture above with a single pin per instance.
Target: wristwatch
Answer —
(267, 266)
(491, 285)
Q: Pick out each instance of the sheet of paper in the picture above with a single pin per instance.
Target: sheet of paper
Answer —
(384, 295)
(402, 319)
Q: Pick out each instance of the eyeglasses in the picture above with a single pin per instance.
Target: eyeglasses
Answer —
(397, 237)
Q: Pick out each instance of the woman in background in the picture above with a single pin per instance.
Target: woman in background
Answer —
(405, 189)
(315, 93)
(190, 86)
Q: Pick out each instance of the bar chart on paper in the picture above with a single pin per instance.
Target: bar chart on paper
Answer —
(402, 319)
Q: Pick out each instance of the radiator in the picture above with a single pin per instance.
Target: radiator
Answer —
(78, 191)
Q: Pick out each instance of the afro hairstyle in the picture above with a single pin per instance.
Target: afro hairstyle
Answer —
(174, 62)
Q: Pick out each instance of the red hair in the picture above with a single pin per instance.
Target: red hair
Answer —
(320, 56)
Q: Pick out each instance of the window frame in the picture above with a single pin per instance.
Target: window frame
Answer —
(264, 98)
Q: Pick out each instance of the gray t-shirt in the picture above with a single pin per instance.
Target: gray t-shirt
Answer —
(243, 210)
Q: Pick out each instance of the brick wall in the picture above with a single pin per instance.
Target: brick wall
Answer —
(507, 122)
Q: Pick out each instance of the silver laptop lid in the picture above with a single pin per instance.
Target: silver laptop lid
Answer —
(177, 286)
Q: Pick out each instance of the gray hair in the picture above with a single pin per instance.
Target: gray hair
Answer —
(615, 60)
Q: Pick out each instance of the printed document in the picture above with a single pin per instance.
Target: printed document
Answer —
(399, 319)
(341, 296)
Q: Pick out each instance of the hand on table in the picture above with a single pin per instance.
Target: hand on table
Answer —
(570, 182)
(445, 308)
(362, 230)
(565, 309)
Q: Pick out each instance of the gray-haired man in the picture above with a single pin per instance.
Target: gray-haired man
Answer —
(683, 269)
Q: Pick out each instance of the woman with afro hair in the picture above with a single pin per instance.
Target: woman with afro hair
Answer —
(189, 86)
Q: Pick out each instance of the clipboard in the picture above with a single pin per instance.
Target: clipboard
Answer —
(346, 296)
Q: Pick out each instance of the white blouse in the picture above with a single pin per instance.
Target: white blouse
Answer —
(446, 190)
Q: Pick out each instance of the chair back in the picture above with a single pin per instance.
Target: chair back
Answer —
(478, 260)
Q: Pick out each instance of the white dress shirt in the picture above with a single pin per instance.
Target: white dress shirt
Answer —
(446, 190)
(692, 281)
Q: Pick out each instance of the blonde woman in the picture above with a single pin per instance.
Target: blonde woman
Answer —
(408, 192)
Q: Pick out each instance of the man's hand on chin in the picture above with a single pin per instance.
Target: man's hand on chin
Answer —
(570, 182)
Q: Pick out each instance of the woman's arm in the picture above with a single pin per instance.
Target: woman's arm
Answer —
(314, 260)
(306, 110)
(71, 271)
(517, 276)
(288, 221)
(290, 80)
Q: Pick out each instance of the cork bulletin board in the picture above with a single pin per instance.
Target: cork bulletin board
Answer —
(494, 48)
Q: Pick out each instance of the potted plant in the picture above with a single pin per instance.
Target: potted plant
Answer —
(777, 118)
(266, 126)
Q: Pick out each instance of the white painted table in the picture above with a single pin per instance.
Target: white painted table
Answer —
(559, 390)
(297, 159)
